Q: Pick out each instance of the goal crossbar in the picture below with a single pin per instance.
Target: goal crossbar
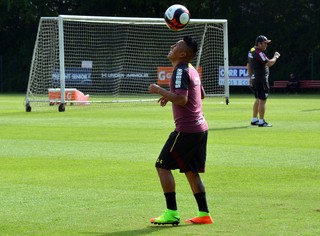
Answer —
(131, 20)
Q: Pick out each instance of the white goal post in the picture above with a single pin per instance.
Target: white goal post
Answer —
(81, 60)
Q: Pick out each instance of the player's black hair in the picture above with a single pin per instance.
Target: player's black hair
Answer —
(191, 44)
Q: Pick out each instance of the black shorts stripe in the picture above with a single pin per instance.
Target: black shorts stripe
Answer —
(175, 140)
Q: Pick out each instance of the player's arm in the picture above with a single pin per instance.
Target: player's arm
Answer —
(273, 60)
(249, 73)
(203, 92)
(180, 100)
(249, 70)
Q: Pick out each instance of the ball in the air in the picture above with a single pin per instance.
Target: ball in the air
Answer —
(177, 17)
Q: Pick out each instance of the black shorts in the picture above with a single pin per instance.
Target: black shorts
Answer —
(261, 90)
(184, 151)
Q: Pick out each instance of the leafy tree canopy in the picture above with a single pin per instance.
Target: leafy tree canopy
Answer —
(293, 27)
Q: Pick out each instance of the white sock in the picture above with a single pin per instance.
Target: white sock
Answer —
(261, 121)
(254, 119)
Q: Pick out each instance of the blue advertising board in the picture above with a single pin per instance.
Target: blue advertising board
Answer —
(73, 76)
(238, 76)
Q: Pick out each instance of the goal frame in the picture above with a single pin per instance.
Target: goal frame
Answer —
(123, 20)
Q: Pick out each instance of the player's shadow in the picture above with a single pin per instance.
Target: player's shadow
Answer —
(311, 110)
(230, 128)
(145, 231)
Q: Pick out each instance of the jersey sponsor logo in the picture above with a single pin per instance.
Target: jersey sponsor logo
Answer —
(178, 78)
(200, 120)
(263, 56)
(197, 81)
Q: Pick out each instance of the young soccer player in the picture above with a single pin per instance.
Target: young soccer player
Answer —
(185, 148)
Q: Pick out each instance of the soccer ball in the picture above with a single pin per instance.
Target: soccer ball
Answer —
(177, 17)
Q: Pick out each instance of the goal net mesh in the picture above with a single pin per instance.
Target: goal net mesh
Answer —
(108, 60)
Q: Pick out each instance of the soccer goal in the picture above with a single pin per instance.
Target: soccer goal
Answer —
(89, 60)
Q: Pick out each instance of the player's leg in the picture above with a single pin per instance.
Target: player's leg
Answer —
(195, 182)
(255, 107)
(255, 111)
(170, 215)
(262, 108)
(199, 192)
(263, 95)
(166, 180)
(168, 187)
(164, 164)
(196, 165)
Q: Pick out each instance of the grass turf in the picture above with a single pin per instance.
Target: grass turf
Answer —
(90, 171)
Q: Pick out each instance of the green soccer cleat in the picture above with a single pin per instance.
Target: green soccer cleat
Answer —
(168, 217)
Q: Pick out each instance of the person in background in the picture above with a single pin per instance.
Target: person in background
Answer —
(258, 69)
(293, 84)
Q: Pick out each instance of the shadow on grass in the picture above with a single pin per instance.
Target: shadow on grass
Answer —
(144, 231)
(310, 110)
(232, 128)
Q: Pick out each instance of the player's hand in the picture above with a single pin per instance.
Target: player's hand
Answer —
(163, 101)
(154, 88)
(277, 55)
(250, 82)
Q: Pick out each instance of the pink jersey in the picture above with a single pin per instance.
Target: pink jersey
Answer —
(188, 118)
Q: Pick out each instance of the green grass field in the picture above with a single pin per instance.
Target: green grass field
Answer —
(90, 171)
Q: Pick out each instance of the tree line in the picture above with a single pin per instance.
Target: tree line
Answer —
(293, 27)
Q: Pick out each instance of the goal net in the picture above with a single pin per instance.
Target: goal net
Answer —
(86, 60)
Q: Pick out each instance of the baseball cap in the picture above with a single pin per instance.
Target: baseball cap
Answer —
(262, 38)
